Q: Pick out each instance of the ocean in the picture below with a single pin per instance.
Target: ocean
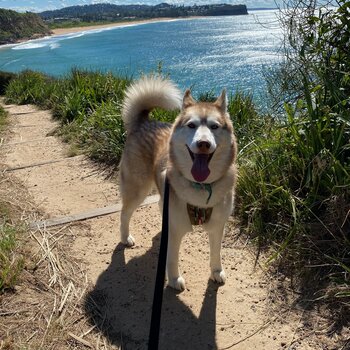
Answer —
(206, 54)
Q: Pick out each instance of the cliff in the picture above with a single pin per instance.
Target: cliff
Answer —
(16, 26)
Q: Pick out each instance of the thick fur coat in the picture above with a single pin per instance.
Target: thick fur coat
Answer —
(197, 154)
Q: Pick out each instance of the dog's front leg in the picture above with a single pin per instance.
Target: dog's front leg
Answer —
(175, 280)
(215, 228)
(216, 232)
(179, 224)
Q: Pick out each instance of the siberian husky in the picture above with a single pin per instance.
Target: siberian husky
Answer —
(197, 154)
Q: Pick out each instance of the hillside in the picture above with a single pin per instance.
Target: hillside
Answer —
(16, 26)
(110, 12)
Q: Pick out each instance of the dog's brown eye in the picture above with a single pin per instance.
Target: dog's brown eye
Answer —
(191, 125)
(214, 126)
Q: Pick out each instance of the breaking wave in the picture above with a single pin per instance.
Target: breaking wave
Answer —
(51, 42)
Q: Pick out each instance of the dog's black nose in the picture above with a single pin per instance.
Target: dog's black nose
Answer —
(203, 145)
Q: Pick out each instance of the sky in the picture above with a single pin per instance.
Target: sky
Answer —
(42, 5)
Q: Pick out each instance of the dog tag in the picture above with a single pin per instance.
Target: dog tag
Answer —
(198, 216)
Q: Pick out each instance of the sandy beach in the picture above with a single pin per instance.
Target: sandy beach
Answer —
(62, 31)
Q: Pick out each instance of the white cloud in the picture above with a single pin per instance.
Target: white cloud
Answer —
(98, 1)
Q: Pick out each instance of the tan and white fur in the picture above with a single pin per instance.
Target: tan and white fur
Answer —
(199, 147)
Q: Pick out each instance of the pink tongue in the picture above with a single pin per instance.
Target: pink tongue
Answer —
(200, 170)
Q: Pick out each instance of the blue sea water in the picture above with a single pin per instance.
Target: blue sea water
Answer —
(203, 53)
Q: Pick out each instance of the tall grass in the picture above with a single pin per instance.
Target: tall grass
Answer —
(103, 133)
(3, 119)
(5, 78)
(295, 180)
(11, 260)
(30, 87)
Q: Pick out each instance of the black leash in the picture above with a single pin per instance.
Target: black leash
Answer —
(153, 338)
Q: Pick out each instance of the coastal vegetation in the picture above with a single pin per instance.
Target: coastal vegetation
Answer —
(293, 196)
(5, 78)
(295, 182)
(16, 26)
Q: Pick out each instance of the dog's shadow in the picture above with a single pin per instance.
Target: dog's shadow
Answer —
(120, 306)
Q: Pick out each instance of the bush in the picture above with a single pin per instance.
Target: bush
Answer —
(294, 182)
(5, 78)
(103, 134)
(81, 92)
(30, 87)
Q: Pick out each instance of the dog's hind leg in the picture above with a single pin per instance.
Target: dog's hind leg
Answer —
(133, 190)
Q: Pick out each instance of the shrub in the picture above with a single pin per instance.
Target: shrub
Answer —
(30, 87)
(294, 182)
(5, 78)
(81, 92)
(103, 133)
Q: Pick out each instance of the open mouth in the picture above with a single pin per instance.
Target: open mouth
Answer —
(200, 168)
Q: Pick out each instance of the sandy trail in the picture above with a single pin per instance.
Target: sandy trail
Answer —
(242, 314)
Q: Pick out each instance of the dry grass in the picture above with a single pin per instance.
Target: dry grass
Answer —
(44, 310)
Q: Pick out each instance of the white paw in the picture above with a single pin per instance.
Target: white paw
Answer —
(129, 241)
(218, 276)
(177, 283)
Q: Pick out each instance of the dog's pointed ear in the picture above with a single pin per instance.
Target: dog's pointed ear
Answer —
(188, 100)
(221, 101)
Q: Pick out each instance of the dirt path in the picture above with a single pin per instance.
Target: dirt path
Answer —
(242, 314)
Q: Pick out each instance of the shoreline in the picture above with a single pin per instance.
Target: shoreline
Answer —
(63, 31)
(73, 30)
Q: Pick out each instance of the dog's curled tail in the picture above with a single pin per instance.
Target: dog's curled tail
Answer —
(146, 94)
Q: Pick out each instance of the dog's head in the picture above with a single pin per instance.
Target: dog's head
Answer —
(202, 144)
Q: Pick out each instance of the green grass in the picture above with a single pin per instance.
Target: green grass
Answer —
(3, 119)
(11, 260)
(103, 134)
